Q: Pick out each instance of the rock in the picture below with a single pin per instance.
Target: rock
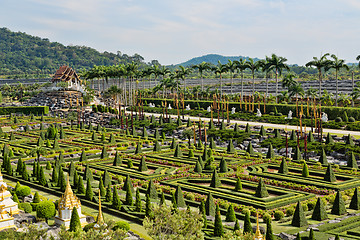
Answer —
(334, 221)
(28, 198)
(23, 218)
(90, 219)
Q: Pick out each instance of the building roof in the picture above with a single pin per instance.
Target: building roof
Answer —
(68, 199)
(65, 74)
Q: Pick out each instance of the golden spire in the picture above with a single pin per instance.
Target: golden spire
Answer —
(68, 199)
(258, 235)
(100, 220)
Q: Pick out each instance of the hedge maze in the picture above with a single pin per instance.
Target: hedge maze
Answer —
(134, 170)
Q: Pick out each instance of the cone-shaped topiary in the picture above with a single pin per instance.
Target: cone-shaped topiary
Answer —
(178, 152)
(133, 131)
(162, 198)
(93, 136)
(157, 147)
(88, 173)
(250, 148)
(355, 200)
(323, 159)
(116, 203)
(179, 197)
(198, 167)
(270, 153)
(128, 197)
(81, 188)
(298, 237)
(277, 133)
(269, 232)
(283, 167)
(178, 121)
(236, 226)
(319, 212)
(56, 144)
(188, 124)
(212, 144)
(36, 198)
(157, 134)
(104, 153)
(247, 128)
(83, 156)
(339, 205)
(173, 144)
(106, 178)
(329, 139)
(144, 132)
(128, 182)
(349, 141)
(305, 170)
(311, 235)
(223, 125)
(211, 125)
(112, 139)
(299, 219)
(75, 224)
(148, 207)
(238, 185)
(61, 180)
(143, 167)
(138, 206)
(230, 214)
(89, 194)
(351, 161)
(205, 154)
(223, 166)
(117, 159)
(337, 237)
(151, 190)
(218, 227)
(236, 128)
(310, 137)
(25, 174)
(15, 198)
(215, 180)
(42, 179)
(230, 147)
(191, 153)
(200, 160)
(210, 205)
(297, 154)
(247, 223)
(329, 175)
(102, 188)
(262, 131)
(293, 136)
(19, 166)
(108, 195)
(261, 190)
(138, 148)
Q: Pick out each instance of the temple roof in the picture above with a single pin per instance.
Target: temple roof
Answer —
(65, 74)
(68, 199)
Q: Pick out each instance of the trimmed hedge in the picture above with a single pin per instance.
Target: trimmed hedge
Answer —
(25, 109)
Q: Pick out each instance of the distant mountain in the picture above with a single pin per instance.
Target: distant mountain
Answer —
(213, 59)
(21, 53)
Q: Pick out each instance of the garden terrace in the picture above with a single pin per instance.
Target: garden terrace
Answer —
(278, 196)
(316, 177)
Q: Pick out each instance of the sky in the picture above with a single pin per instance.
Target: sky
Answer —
(173, 31)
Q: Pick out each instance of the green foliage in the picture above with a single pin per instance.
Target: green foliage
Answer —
(25, 174)
(23, 191)
(138, 148)
(102, 188)
(83, 157)
(198, 168)
(89, 194)
(106, 178)
(278, 215)
(54, 176)
(210, 205)
(88, 173)
(178, 152)
(355, 200)
(293, 136)
(108, 196)
(45, 209)
(305, 170)
(230, 147)
(230, 214)
(261, 191)
(299, 219)
(179, 197)
(238, 185)
(351, 161)
(247, 223)
(349, 141)
(143, 167)
(75, 224)
(129, 197)
(162, 198)
(123, 225)
(20, 166)
(319, 212)
(26, 207)
(329, 175)
(15, 198)
(269, 232)
(297, 154)
(116, 203)
(223, 166)
(148, 208)
(42, 179)
(339, 205)
(157, 147)
(157, 134)
(270, 153)
(117, 159)
(104, 153)
(236, 226)
(138, 205)
(212, 144)
(277, 133)
(130, 163)
(127, 183)
(323, 159)
(218, 227)
(215, 180)
(283, 167)
(151, 190)
(250, 148)
(310, 137)
(81, 188)
(329, 139)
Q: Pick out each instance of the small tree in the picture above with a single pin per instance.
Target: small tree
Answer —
(42, 179)
(319, 212)
(329, 175)
(218, 227)
(238, 185)
(143, 167)
(61, 180)
(83, 157)
(230, 214)
(339, 205)
(157, 147)
(89, 194)
(138, 206)
(311, 234)
(151, 190)
(230, 147)
(210, 205)
(102, 188)
(247, 223)
(75, 224)
(81, 188)
(323, 159)
(148, 207)
(25, 175)
(179, 197)
(270, 152)
(310, 137)
(198, 167)
(349, 141)
(283, 167)
(329, 139)
(223, 166)
(116, 203)
(262, 131)
(36, 198)
(261, 191)
(351, 161)
(106, 178)
(297, 154)
(299, 219)
(355, 200)
(215, 180)
(104, 153)
(88, 173)
(250, 148)
(305, 170)
(269, 232)
(108, 195)
(129, 197)
(45, 209)
(178, 152)
(117, 159)
(138, 148)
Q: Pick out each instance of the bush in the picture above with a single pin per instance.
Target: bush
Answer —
(23, 191)
(289, 211)
(278, 215)
(338, 119)
(121, 225)
(26, 207)
(266, 217)
(351, 119)
(89, 226)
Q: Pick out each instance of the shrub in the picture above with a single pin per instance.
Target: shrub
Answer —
(26, 207)
(45, 209)
(266, 217)
(338, 119)
(23, 191)
(289, 211)
(319, 212)
(89, 226)
(299, 219)
(278, 215)
(121, 225)
(351, 119)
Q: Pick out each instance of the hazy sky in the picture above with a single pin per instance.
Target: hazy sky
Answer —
(174, 31)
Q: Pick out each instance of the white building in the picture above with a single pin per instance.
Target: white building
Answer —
(5, 198)
(66, 204)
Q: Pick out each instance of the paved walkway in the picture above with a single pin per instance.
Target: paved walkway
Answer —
(266, 125)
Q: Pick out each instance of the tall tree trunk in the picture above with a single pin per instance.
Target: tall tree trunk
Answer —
(242, 86)
(276, 91)
(320, 85)
(267, 85)
(220, 85)
(231, 89)
(202, 82)
(253, 90)
(337, 88)
(352, 81)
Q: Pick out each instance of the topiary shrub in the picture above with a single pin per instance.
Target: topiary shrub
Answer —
(261, 191)
(299, 219)
(319, 212)
(121, 225)
(23, 191)
(351, 119)
(278, 215)
(26, 207)
(338, 119)
(89, 226)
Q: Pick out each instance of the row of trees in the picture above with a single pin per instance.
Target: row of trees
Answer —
(129, 75)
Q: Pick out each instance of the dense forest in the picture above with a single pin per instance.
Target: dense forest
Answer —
(23, 55)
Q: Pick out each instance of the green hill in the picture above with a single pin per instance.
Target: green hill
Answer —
(213, 59)
(22, 54)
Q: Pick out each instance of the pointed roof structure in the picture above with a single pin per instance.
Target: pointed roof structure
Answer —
(258, 235)
(68, 200)
(65, 74)
(100, 219)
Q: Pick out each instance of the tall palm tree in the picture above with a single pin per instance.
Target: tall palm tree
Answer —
(231, 67)
(320, 64)
(264, 68)
(277, 64)
(253, 66)
(182, 74)
(220, 69)
(288, 80)
(163, 72)
(156, 71)
(337, 64)
(201, 67)
(241, 66)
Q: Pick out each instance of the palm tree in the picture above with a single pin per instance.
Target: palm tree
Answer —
(220, 69)
(264, 68)
(283, 96)
(288, 81)
(231, 67)
(337, 64)
(277, 64)
(241, 66)
(182, 74)
(295, 90)
(319, 63)
(201, 67)
(253, 66)
(311, 93)
(355, 94)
